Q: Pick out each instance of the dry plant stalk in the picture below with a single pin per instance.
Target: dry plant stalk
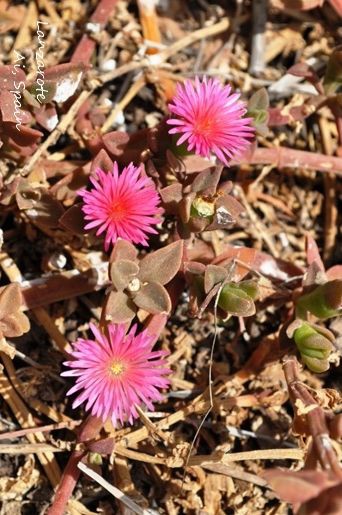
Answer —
(25, 419)
(314, 417)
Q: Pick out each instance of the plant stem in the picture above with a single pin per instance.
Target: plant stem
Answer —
(315, 418)
(284, 157)
(88, 431)
(87, 45)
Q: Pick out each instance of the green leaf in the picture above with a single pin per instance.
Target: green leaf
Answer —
(314, 344)
(236, 301)
(323, 302)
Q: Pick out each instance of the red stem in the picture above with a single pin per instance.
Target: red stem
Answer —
(336, 109)
(284, 157)
(315, 418)
(86, 46)
(88, 431)
(67, 484)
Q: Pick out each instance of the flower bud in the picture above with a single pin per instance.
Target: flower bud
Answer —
(325, 301)
(236, 300)
(202, 208)
(315, 345)
(94, 458)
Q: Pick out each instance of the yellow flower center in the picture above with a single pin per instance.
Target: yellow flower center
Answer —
(116, 368)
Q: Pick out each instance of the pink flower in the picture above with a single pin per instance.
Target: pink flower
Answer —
(210, 119)
(117, 372)
(123, 206)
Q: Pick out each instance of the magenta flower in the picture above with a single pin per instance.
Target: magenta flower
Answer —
(210, 119)
(116, 373)
(123, 206)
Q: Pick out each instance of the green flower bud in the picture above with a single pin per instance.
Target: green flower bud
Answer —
(325, 301)
(315, 345)
(94, 458)
(202, 208)
(236, 301)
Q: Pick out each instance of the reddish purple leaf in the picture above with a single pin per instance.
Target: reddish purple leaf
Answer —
(163, 264)
(9, 75)
(73, 220)
(153, 298)
(298, 487)
(119, 308)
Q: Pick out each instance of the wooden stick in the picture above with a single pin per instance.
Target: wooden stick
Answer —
(51, 11)
(259, 16)
(39, 429)
(164, 55)
(120, 106)
(149, 23)
(260, 454)
(22, 448)
(66, 120)
(234, 472)
(190, 39)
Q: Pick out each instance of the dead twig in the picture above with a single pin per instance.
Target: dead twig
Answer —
(120, 106)
(40, 429)
(234, 472)
(164, 55)
(259, 17)
(66, 120)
